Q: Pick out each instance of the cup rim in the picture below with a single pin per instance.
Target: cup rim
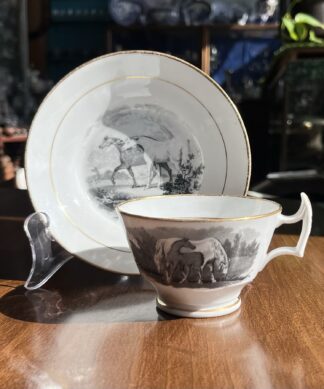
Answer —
(199, 219)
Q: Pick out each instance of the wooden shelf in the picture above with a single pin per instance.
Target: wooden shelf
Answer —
(245, 27)
(13, 139)
(205, 32)
(216, 26)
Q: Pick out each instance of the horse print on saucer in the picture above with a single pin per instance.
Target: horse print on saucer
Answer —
(186, 258)
(141, 150)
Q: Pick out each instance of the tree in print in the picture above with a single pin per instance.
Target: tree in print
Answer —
(187, 178)
(240, 248)
(249, 250)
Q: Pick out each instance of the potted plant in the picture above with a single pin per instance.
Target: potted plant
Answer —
(300, 27)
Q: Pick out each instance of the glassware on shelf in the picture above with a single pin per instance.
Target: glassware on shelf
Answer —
(193, 12)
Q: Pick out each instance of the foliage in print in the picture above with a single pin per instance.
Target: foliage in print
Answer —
(187, 179)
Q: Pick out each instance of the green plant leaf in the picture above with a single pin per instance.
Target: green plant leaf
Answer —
(301, 30)
(289, 24)
(314, 38)
(308, 19)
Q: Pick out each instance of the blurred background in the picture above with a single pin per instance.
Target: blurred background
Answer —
(267, 54)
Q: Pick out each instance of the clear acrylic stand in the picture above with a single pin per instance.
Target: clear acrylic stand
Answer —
(47, 255)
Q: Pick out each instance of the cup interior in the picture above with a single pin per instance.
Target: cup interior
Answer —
(199, 207)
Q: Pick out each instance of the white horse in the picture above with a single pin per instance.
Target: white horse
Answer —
(214, 253)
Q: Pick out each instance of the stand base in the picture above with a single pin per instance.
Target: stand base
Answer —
(48, 256)
(208, 312)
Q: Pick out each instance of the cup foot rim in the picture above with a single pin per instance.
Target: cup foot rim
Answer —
(219, 310)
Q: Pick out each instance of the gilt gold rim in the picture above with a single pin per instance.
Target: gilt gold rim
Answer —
(199, 219)
(217, 309)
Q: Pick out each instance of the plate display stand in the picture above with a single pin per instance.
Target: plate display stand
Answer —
(47, 255)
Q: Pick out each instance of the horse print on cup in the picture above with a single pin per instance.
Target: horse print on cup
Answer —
(181, 259)
(221, 258)
(140, 150)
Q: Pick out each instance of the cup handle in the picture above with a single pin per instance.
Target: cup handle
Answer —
(305, 214)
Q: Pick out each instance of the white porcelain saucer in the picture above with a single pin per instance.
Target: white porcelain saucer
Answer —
(129, 124)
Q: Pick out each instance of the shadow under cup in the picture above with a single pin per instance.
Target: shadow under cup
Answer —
(200, 251)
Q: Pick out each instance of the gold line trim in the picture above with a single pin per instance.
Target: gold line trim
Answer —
(222, 308)
(198, 219)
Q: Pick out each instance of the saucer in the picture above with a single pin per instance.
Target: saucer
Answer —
(127, 125)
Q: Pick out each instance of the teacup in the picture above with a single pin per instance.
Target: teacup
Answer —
(200, 251)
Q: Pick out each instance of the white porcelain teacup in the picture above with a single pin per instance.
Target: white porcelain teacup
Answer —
(200, 251)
